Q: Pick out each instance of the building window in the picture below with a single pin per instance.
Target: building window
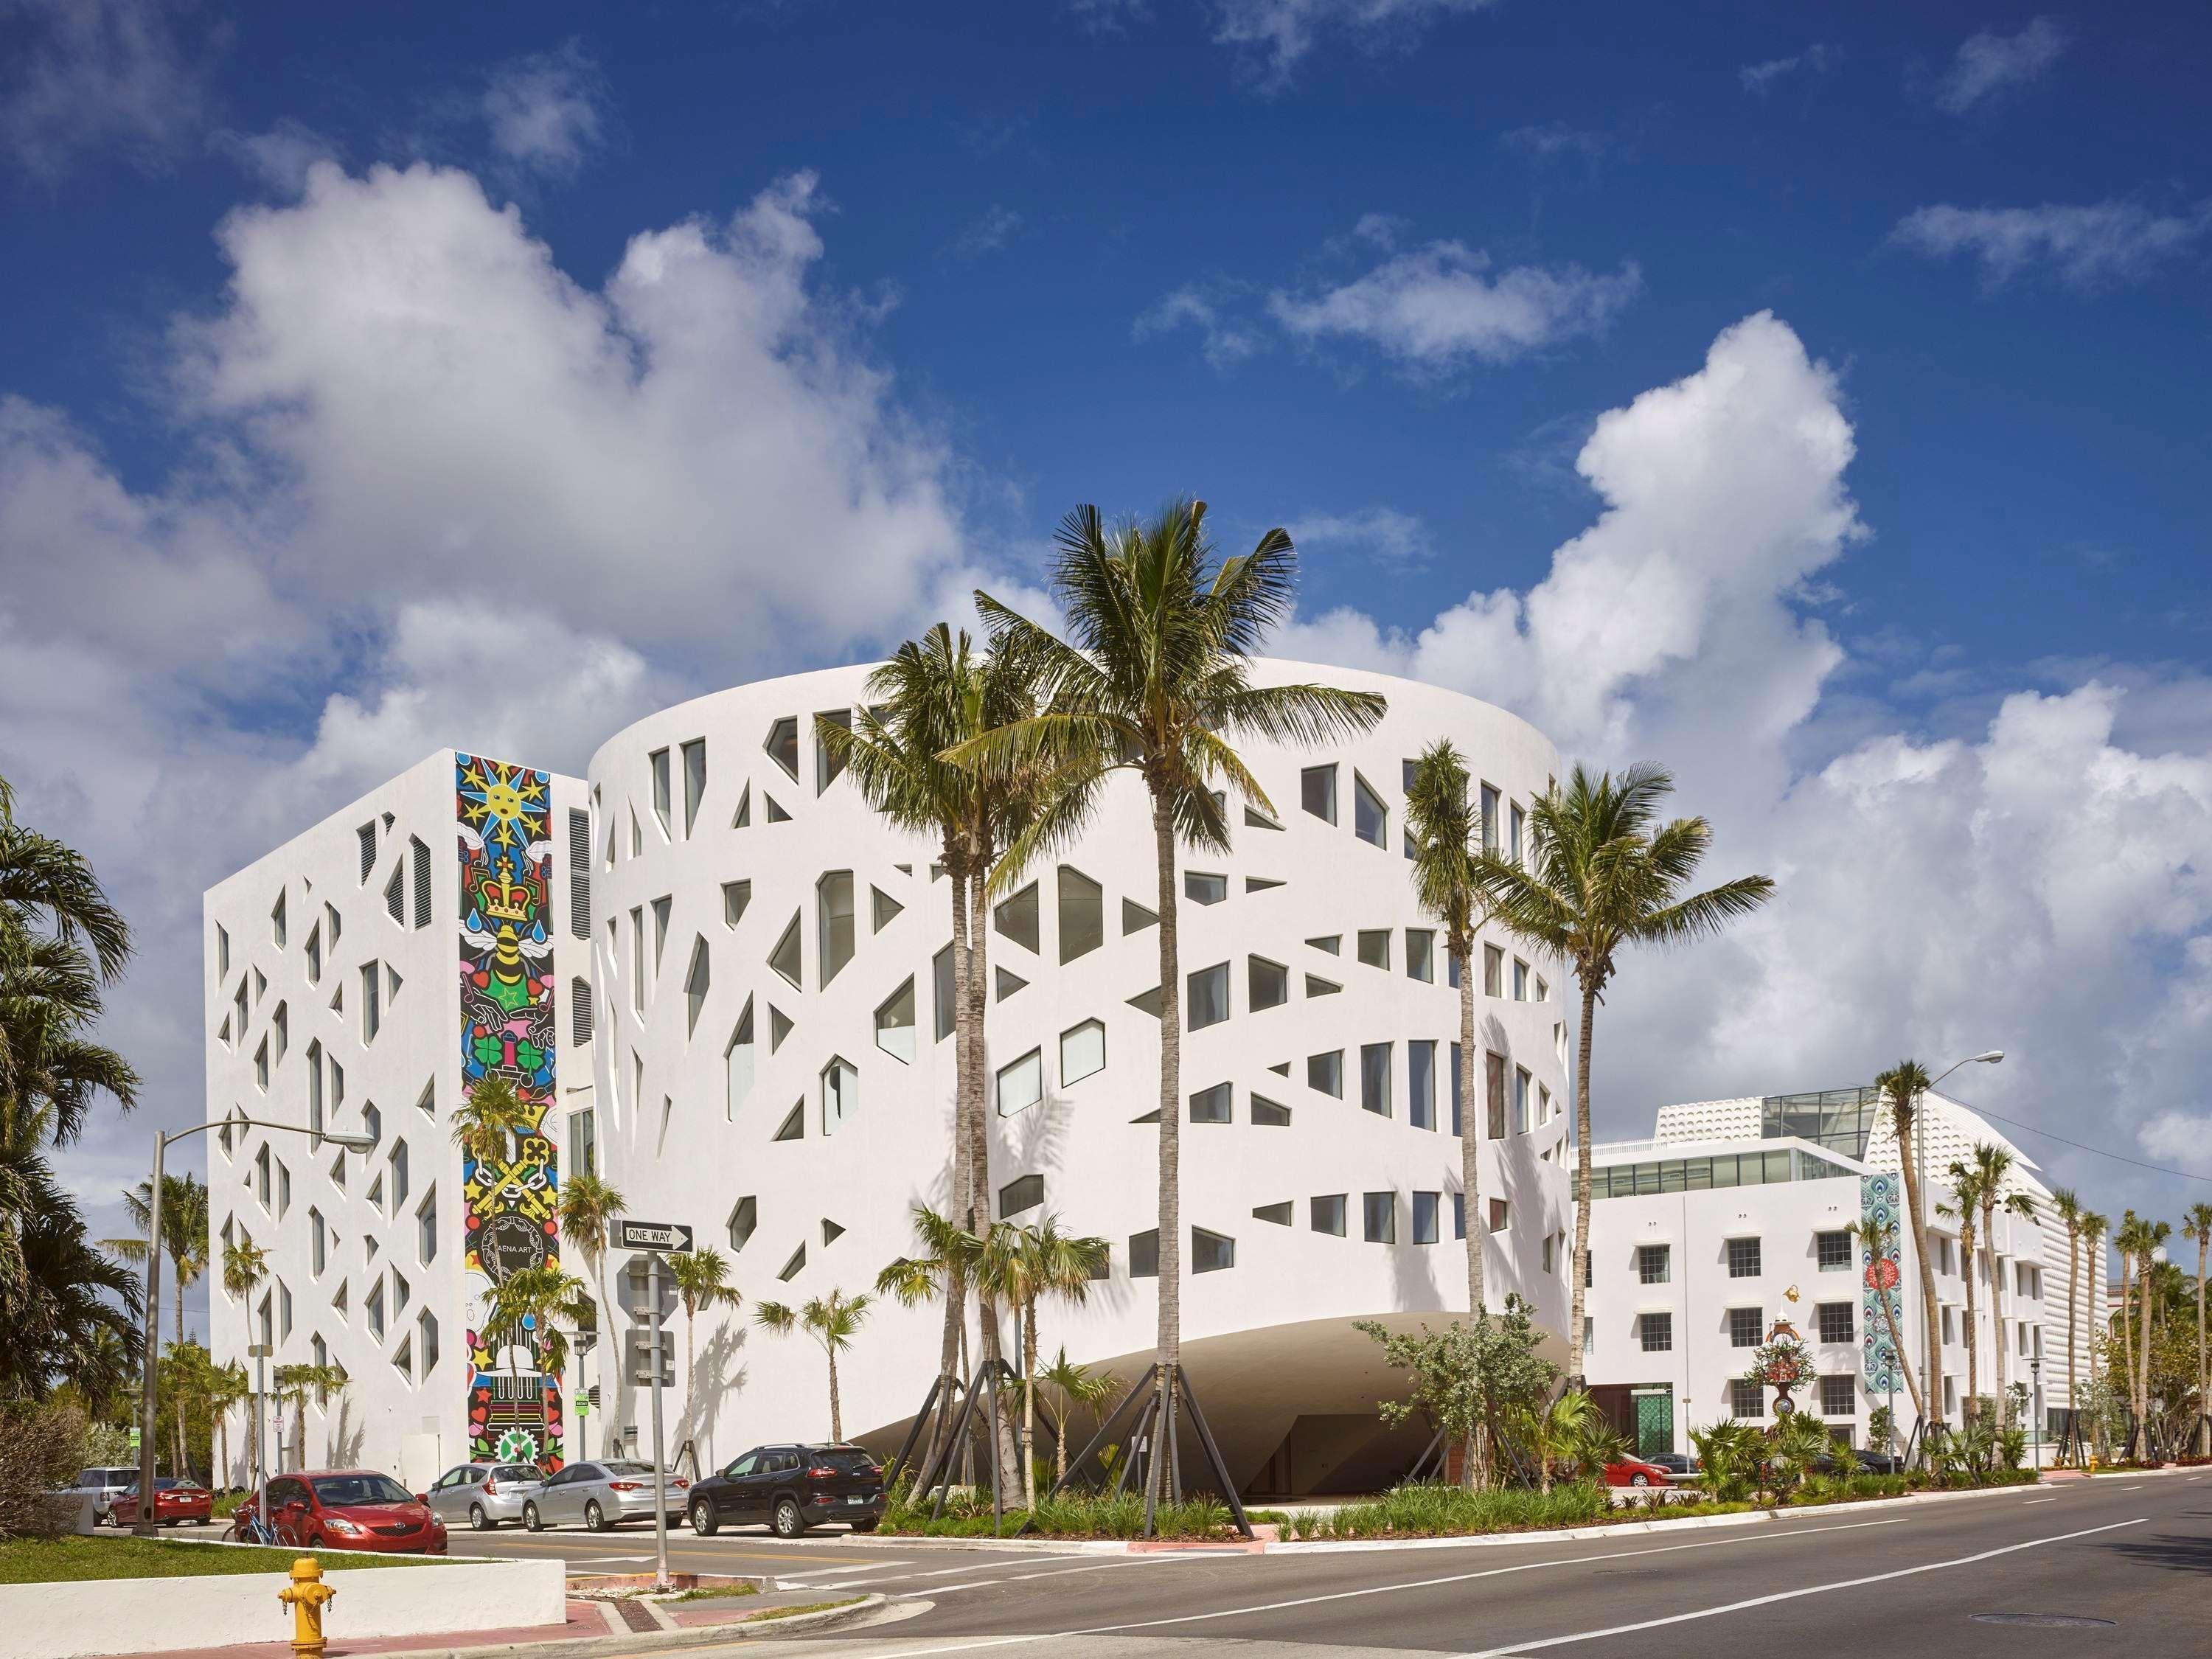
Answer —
(784, 958)
(1493, 971)
(1950, 1333)
(1326, 1073)
(1523, 1122)
(738, 1059)
(1839, 1396)
(1269, 1114)
(372, 1002)
(1374, 945)
(1023, 1193)
(1375, 1077)
(579, 1010)
(1655, 1331)
(695, 781)
(1379, 1217)
(1835, 1252)
(584, 1142)
(374, 1307)
(1520, 980)
(1326, 1215)
(782, 745)
(942, 996)
(1458, 1092)
(418, 863)
(319, 1243)
(1426, 1208)
(1746, 1326)
(1458, 1215)
(1370, 819)
(1021, 1085)
(1652, 1263)
(1837, 1323)
(1494, 1103)
(833, 900)
(426, 1228)
(1082, 1051)
(1209, 997)
(1743, 1258)
(1211, 1253)
(1747, 1398)
(1082, 914)
(1489, 819)
(1144, 1255)
(1211, 1105)
(895, 1024)
(698, 980)
(1317, 791)
(745, 1220)
(1421, 955)
(1501, 1214)
(840, 1094)
(1201, 887)
(1267, 984)
(1421, 1083)
(427, 1349)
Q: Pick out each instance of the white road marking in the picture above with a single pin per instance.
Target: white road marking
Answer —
(2137, 1487)
(2039, 1500)
(1516, 1648)
(844, 1572)
(1371, 1590)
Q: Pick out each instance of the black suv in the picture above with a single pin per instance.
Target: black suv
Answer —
(790, 1488)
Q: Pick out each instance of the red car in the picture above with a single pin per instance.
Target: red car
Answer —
(352, 1509)
(174, 1502)
(1635, 1472)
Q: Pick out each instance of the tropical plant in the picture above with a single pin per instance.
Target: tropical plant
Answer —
(492, 1114)
(1966, 1188)
(1899, 1089)
(934, 696)
(296, 1386)
(1993, 1168)
(1879, 1240)
(2094, 1229)
(1729, 1453)
(1154, 678)
(833, 1321)
(1882, 1422)
(525, 1309)
(229, 1387)
(588, 1208)
(1073, 1385)
(1445, 823)
(1487, 1370)
(184, 1233)
(1800, 1440)
(2197, 1226)
(1602, 874)
(1021, 1266)
(1568, 1429)
(2066, 1205)
(66, 1304)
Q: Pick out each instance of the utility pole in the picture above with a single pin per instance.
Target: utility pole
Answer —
(656, 1238)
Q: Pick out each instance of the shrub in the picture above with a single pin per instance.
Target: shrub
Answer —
(1425, 1509)
(41, 1448)
(1070, 1515)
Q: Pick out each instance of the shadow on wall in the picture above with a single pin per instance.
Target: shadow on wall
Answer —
(717, 1374)
(342, 1436)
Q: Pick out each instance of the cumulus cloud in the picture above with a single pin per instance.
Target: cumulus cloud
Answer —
(1989, 64)
(79, 75)
(2098, 246)
(1816, 59)
(280, 157)
(1382, 534)
(1552, 141)
(1439, 307)
(1274, 35)
(990, 232)
(545, 112)
(1225, 340)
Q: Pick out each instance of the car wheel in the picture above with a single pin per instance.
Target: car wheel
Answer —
(532, 1520)
(1639, 1480)
(789, 1522)
(703, 1521)
(478, 1520)
(170, 1522)
(868, 1525)
(595, 1518)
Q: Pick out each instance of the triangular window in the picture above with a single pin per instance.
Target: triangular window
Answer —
(1258, 884)
(785, 958)
(793, 1125)
(1255, 819)
(1008, 983)
(779, 1027)
(1135, 918)
(743, 820)
(831, 1233)
(1147, 1002)
(1318, 987)
(885, 908)
(776, 813)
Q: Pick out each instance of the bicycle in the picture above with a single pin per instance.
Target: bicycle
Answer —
(247, 1526)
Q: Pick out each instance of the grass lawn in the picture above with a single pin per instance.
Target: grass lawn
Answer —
(60, 1560)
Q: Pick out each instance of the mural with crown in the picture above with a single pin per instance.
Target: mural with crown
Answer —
(506, 984)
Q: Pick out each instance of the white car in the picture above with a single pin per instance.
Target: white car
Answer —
(600, 1495)
(485, 1495)
(107, 1487)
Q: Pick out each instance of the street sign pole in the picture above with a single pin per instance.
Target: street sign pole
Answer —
(259, 1351)
(660, 1463)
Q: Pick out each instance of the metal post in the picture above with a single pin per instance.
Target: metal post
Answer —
(143, 1525)
(659, 1468)
(2035, 1409)
(260, 1440)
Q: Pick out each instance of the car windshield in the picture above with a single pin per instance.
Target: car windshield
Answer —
(170, 1483)
(339, 1490)
(627, 1468)
(845, 1459)
(516, 1471)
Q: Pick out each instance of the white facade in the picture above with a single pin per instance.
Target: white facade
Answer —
(332, 1001)
(793, 1107)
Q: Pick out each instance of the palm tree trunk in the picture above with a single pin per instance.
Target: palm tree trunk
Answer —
(1932, 1356)
(1973, 1408)
(1474, 1470)
(2128, 1330)
(1029, 1404)
(223, 1429)
(2073, 1397)
(979, 1143)
(1997, 1308)
(836, 1413)
(952, 1350)
(1170, 1200)
(2144, 1280)
(1576, 1317)
(2204, 1249)
(1897, 1342)
(177, 1284)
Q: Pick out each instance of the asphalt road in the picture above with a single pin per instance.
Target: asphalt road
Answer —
(1931, 1579)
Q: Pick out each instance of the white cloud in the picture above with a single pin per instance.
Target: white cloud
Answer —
(1437, 307)
(280, 157)
(1816, 59)
(1549, 140)
(2100, 245)
(2044, 886)
(989, 233)
(1274, 35)
(77, 75)
(1225, 341)
(1988, 64)
(545, 111)
(1380, 533)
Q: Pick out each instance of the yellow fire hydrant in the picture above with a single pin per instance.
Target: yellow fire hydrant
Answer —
(305, 1594)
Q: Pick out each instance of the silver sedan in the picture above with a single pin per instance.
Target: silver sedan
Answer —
(484, 1494)
(600, 1495)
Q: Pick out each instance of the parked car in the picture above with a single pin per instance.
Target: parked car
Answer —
(1636, 1472)
(175, 1501)
(600, 1496)
(1679, 1466)
(485, 1495)
(352, 1509)
(106, 1485)
(790, 1488)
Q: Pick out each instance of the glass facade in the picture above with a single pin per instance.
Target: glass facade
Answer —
(1696, 1174)
(1839, 1119)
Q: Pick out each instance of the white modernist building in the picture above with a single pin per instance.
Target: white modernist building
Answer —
(1739, 1213)
(762, 1010)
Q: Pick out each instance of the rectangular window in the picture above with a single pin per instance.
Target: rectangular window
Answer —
(1379, 1217)
(1458, 1215)
(1211, 1105)
(426, 1228)
(1209, 997)
(1267, 984)
(1421, 955)
(1211, 1253)
(658, 762)
(1493, 971)
(1747, 1398)
(1421, 1083)
(1489, 819)
(1021, 1085)
(1950, 1335)
(1655, 1331)
(1837, 1323)
(1328, 1214)
(833, 900)
(941, 990)
(1144, 1255)
(1375, 947)
(1653, 1263)
(1426, 1209)
(1520, 980)
(1839, 1396)
(1743, 1258)
(584, 1142)
(1746, 1327)
(695, 781)
(1494, 1077)
(1082, 914)
(1835, 1252)
(1501, 1214)
(1082, 1051)
(1515, 821)
(419, 864)
(1375, 1077)
(372, 1002)
(1458, 1092)
(1317, 791)
(1022, 1193)
(1326, 1073)
(1370, 819)
(1523, 1122)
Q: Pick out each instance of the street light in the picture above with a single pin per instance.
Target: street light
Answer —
(1933, 1370)
(148, 1404)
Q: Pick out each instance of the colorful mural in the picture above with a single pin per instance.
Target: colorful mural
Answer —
(1881, 1205)
(507, 981)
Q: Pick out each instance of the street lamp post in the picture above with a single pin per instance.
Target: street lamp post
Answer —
(2035, 1406)
(1934, 1369)
(148, 1404)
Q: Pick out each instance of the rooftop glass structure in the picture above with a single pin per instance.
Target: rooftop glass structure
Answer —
(1696, 1175)
(1838, 1119)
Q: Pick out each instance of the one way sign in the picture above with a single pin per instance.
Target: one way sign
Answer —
(665, 1236)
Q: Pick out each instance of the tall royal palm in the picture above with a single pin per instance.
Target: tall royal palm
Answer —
(1445, 824)
(1154, 678)
(1993, 1166)
(1879, 1240)
(1604, 873)
(1968, 1187)
(833, 1321)
(589, 1205)
(2095, 1230)
(2066, 1205)
(1899, 1090)
(244, 1265)
(184, 1233)
(934, 695)
(2150, 1240)
(2197, 1226)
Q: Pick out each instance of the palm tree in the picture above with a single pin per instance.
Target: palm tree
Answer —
(934, 695)
(1993, 1167)
(1022, 1266)
(296, 1386)
(833, 1321)
(2132, 1239)
(589, 1206)
(184, 1232)
(701, 1278)
(490, 1116)
(1073, 1385)
(1446, 828)
(2066, 1205)
(1966, 1187)
(1604, 873)
(1901, 1088)
(943, 1266)
(1555, 1426)
(1879, 1240)
(228, 1387)
(2093, 1228)
(244, 1265)
(2196, 1225)
(2151, 1239)
(525, 1309)
(1154, 678)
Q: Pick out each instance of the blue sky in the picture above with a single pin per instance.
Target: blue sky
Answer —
(301, 304)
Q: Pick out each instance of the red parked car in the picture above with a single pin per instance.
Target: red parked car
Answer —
(352, 1509)
(174, 1502)
(1635, 1472)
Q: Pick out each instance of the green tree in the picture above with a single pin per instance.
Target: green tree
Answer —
(184, 1233)
(244, 1265)
(589, 1206)
(2197, 1226)
(703, 1281)
(1444, 820)
(525, 1310)
(1487, 1370)
(65, 1298)
(1154, 678)
(1879, 1240)
(1564, 1430)
(2066, 1206)
(229, 1387)
(296, 1386)
(1899, 1090)
(1966, 1183)
(490, 1116)
(2094, 1228)
(1072, 1385)
(833, 1321)
(1602, 874)
(1023, 1265)
(1993, 1168)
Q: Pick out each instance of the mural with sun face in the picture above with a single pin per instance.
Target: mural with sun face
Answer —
(504, 814)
